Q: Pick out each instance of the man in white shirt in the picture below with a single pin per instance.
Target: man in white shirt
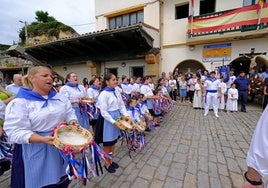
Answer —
(16, 85)
(212, 91)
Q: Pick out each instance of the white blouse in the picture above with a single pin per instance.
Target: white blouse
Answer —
(137, 87)
(257, 156)
(93, 93)
(232, 93)
(24, 117)
(107, 101)
(126, 89)
(73, 93)
(212, 85)
(146, 90)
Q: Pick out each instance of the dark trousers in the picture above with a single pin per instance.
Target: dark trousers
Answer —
(191, 96)
(243, 96)
(265, 102)
(173, 94)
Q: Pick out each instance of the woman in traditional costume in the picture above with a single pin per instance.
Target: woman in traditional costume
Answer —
(75, 92)
(111, 107)
(29, 121)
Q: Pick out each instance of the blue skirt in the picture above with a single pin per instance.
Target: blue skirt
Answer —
(37, 165)
(110, 131)
(182, 92)
(82, 117)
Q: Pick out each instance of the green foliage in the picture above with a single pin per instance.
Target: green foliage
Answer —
(44, 24)
(53, 32)
(4, 47)
(43, 17)
(9, 64)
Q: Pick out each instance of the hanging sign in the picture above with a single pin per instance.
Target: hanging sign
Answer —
(217, 52)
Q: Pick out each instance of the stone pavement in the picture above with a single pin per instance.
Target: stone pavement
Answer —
(188, 150)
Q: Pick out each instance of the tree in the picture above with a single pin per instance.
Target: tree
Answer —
(43, 17)
(44, 24)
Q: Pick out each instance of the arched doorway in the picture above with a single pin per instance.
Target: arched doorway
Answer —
(189, 63)
(245, 63)
(241, 63)
(261, 63)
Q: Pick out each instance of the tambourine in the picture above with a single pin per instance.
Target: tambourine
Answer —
(125, 123)
(71, 137)
(87, 100)
(140, 126)
(148, 116)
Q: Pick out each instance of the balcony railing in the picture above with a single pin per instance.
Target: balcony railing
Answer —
(236, 20)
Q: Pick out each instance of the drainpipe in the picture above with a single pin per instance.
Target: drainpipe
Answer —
(161, 23)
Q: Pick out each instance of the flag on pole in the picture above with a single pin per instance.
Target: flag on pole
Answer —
(259, 12)
(260, 2)
(260, 5)
(191, 15)
(191, 7)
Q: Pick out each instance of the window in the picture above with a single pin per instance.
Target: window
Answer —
(118, 21)
(126, 19)
(140, 16)
(181, 11)
(112, 22)
(207, 6)
(133, 18)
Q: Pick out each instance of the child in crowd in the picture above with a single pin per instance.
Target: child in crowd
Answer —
(223, 90)
(144, 112)
(157, 106)
(232, 99)
(197, 103)
(131, 109)
(183, 88)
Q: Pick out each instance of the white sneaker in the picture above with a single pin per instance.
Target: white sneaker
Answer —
(205, 114)
(217, 115)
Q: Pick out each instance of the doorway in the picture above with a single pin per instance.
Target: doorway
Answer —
(112, 70)
(137, 71)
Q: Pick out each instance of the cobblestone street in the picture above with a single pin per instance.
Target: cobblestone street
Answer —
(187, 150)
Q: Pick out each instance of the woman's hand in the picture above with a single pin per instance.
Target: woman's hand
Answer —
(48, 140)
(36, 138)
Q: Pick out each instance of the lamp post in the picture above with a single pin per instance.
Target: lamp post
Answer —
(26, 32)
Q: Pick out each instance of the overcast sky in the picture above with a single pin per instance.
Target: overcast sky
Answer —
(79, 14)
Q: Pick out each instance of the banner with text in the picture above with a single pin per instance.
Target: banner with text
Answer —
(217, 52)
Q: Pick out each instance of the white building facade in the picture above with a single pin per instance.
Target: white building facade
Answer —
(179, 48)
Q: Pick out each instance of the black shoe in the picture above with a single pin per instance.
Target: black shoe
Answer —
(148, 130)
(156, 125)
(115, 165)
(110, 169)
